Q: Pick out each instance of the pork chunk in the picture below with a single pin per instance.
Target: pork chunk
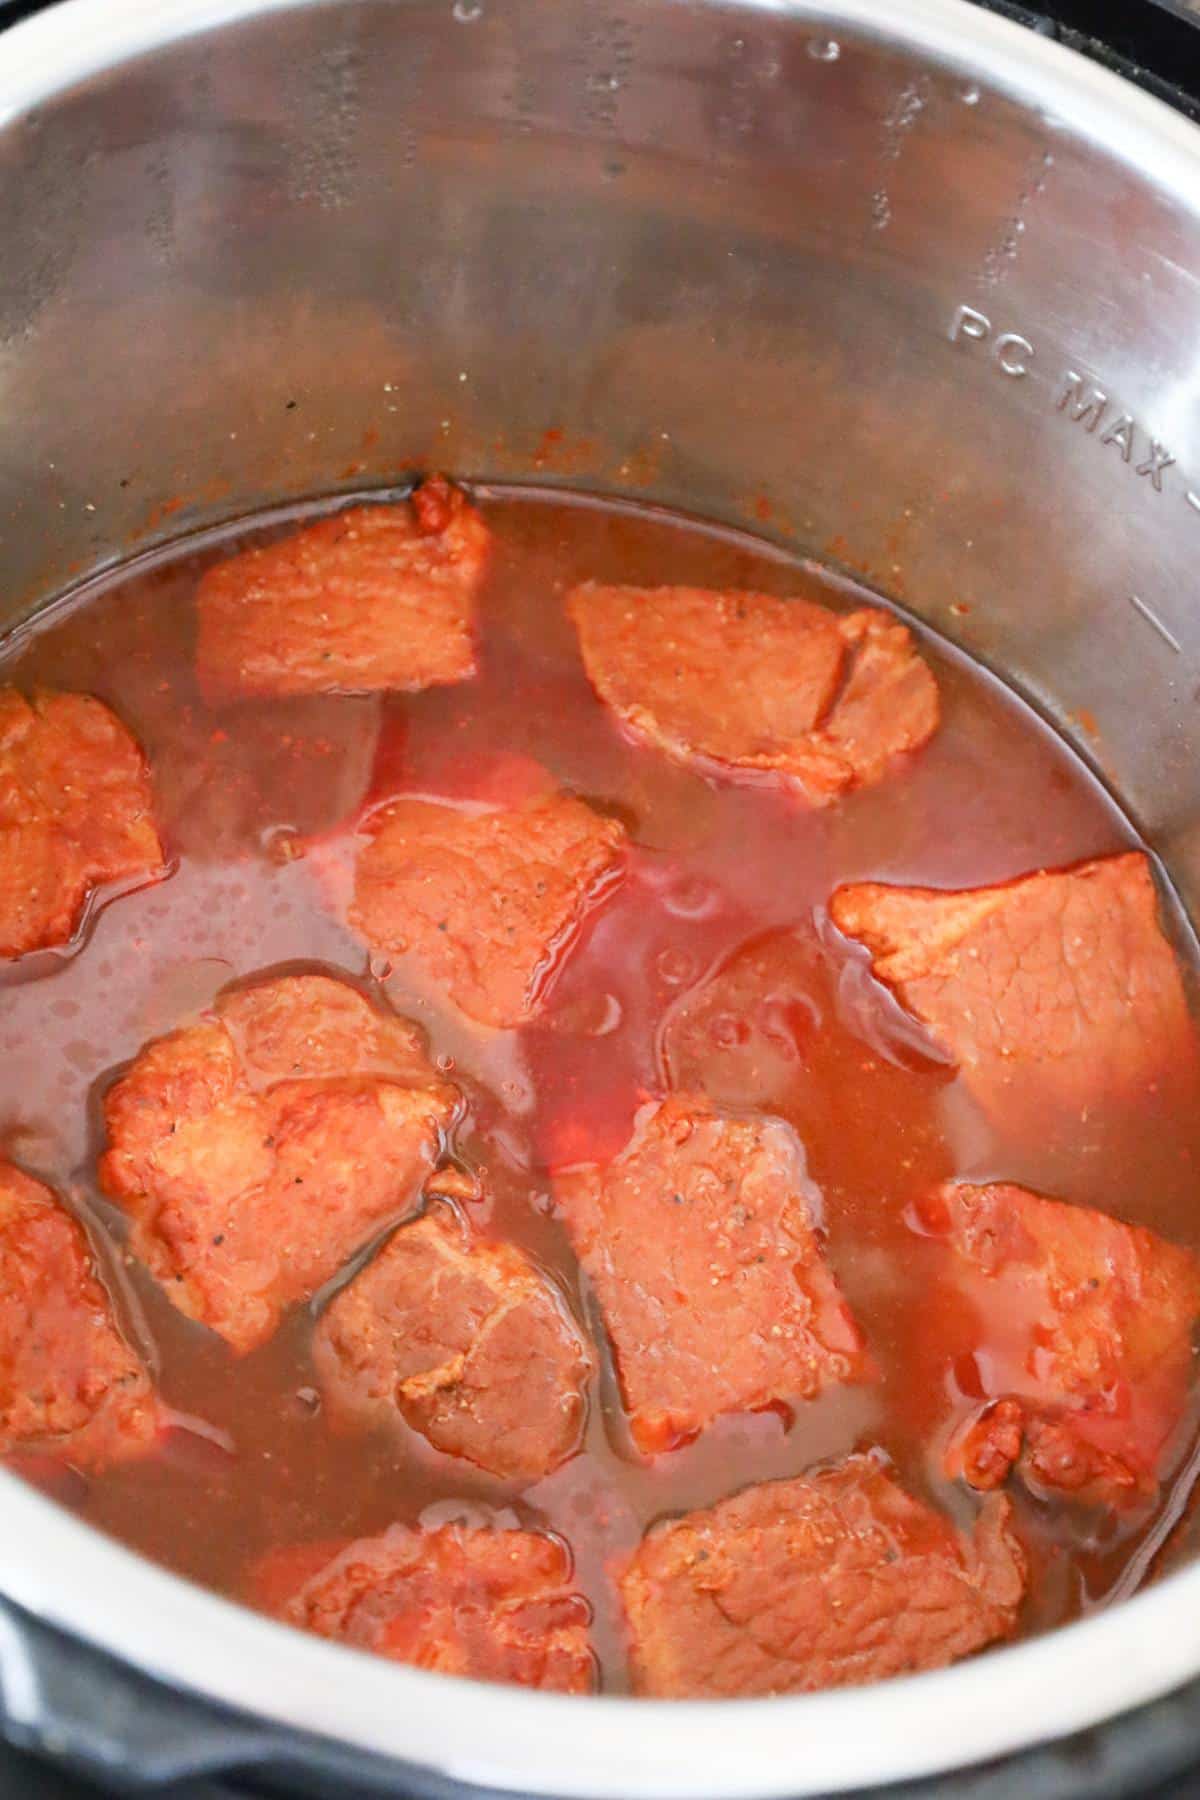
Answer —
(374, 597)
(493, 1605)
(1080, 1341)
(76, 810)
(468, 1341)
(701, 1241)
(1055, 993)
(259, 1148)
(485, 904)
(69, 1383)
(831, 1580)
(751, 687)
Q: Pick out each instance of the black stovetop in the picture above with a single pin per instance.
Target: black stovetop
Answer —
(1158, 41)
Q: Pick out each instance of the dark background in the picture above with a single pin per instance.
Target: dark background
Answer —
(1159, 38)
(1161, 49)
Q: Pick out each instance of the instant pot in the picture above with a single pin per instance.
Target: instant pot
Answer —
(915, 287)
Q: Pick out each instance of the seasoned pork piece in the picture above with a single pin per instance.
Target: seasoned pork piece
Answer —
(751, 687)
(831, 1580)
(493, 1605)
(69, 1383)
(258, 1149)
(1079, 1330)
(484, 905)
(1057, 993)
(468, 1341)
(76, 810)
(374, 597)
(701, 1241)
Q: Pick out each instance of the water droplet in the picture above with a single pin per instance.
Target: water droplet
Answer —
(970, 95)
(675, 966)
(467, 11)
(824, 49)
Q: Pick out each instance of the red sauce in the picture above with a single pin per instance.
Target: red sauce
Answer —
(254, 1463)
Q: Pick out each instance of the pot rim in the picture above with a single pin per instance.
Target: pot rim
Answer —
(68, 1574)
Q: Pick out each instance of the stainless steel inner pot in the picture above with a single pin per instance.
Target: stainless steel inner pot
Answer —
(905, 285)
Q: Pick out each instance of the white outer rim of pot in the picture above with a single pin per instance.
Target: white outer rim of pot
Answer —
(71, 1576)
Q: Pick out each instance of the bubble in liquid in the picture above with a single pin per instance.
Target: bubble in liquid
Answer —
(591, 1016)
(467, 11)
(824, 49)
(380, 966)
(675, 966)
(609, 1016)
(692, 898)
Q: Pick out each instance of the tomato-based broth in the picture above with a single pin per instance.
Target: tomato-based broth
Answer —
(708, 964)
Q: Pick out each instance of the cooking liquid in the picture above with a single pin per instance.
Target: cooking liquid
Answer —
(254, 1462)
